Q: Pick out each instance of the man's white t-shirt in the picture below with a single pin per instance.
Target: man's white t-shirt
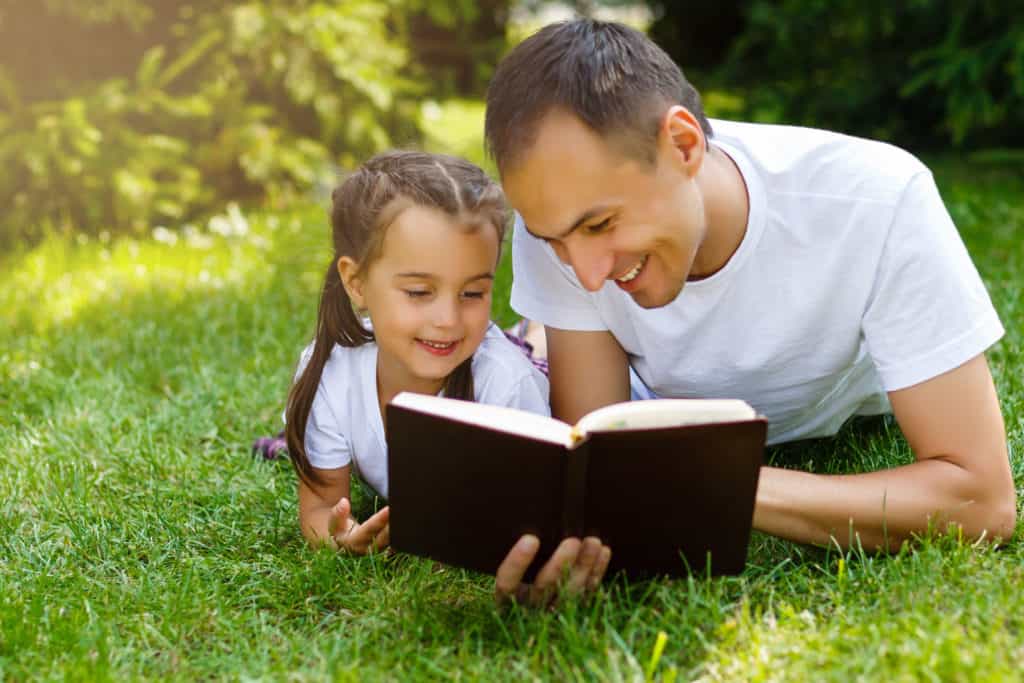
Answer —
(850, 281)
(345, 424)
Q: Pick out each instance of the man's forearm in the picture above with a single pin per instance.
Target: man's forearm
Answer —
(882, 508)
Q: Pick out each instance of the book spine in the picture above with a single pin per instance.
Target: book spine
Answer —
(574, 501)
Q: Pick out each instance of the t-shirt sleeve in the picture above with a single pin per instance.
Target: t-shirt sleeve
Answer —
(929, 311)
(545, 290)
(326, 447)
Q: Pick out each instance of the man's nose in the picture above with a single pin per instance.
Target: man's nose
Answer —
(591, 262)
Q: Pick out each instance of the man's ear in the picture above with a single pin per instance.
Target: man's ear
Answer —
(683, 139)
(348, 270)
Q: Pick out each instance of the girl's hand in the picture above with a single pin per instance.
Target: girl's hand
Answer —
(351, 536)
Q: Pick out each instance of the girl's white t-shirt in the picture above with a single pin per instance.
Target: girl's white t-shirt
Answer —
(345, 424)
(850, 281)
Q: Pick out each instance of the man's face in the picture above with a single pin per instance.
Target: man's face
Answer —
(607, 215)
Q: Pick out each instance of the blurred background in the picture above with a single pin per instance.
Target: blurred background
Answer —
(126, 117)
(164, 173)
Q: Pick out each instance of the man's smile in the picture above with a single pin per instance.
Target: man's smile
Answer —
(633, 272)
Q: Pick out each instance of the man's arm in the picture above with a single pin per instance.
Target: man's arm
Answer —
(961, 474)
(589, 370)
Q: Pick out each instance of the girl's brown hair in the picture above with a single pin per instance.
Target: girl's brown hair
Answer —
(362, 208)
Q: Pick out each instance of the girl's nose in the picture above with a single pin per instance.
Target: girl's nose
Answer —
(445, 312)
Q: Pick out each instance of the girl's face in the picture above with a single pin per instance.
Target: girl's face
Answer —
(428, 295)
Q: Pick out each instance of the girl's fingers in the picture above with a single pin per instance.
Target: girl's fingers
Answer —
(383, 539)
(362, 536)
(378, 521)
(338, 521)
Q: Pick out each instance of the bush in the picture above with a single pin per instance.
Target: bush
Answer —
(241, 100)
(924, 73)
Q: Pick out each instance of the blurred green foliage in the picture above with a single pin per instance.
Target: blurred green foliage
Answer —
(927, 74)
(234, 100)
(123, 115)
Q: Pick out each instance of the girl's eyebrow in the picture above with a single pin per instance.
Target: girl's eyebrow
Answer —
(431, 276)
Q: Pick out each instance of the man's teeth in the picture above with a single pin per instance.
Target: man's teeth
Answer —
(633, 272)
(438, 345)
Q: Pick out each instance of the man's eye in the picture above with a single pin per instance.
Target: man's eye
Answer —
(599, 227)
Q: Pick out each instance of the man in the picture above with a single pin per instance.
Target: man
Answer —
(815, 275)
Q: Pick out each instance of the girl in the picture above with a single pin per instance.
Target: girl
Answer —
(416, 242)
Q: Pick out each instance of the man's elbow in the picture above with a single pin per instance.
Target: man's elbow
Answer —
(1005, 518)
(994, 520)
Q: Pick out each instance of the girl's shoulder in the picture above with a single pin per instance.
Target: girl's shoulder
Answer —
(497, 350)
(343, 365)
(500, 368)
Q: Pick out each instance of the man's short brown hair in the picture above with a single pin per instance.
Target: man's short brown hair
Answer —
(614, 78)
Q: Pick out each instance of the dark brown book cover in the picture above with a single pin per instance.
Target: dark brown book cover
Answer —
(667, 500)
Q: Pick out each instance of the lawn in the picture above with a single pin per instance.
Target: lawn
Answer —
(139, 539)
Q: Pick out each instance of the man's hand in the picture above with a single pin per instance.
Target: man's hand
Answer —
(353, 537)
(583, 563)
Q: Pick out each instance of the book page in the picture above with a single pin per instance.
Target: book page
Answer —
(666, 412)
(500, 418)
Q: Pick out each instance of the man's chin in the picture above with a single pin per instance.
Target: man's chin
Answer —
(651, 300)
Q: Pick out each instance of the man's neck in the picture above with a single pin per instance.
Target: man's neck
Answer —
(726, 210)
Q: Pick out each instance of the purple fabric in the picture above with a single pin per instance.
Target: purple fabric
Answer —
(516, 336)
(271, 447)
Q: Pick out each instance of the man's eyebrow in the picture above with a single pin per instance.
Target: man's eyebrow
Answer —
(583, 218)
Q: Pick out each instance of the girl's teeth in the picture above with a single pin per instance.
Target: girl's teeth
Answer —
(437, 345)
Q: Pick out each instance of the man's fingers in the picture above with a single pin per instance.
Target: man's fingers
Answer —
(510, 573)
(586, 562)
(550, 574)
(604, 557)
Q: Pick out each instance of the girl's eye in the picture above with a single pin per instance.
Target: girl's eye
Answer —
(474, 295)
(416, 293)
(598, 228)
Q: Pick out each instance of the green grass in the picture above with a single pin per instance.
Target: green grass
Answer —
(139, 539)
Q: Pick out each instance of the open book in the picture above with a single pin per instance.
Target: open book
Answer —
(669, 484)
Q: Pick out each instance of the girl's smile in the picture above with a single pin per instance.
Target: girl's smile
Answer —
(438, 348)
(428, 294)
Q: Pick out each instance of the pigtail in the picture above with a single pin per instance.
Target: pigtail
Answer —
(361, 209)
(337, 323)
(459, 383)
